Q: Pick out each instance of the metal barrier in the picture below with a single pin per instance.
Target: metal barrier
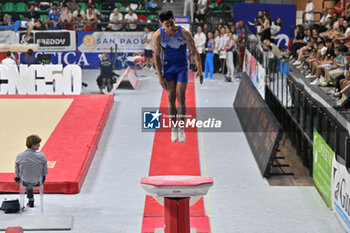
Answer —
(298, 111)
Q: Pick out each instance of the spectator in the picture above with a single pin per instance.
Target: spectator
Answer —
(30, 59)
(54, 20)
(298, 41)
(90, 19)
(78, 11)
(222, 52)
(147, 39)
(5, 19)
(31, 167)
(272, 62)
(131, 18)
(265, 28)
(79, 23)
(116, 20)
(32, 14)
(275, 29)
(171, 1)
(152, 5)
(71, 5)
(8, 60)
(216, 51)
(198, 17)
(338, 65)
(202, 6)
(323, 20)
(206, 30)
(67, 18)
(209, 59)
(309, 12)
(327, 61)
(200, 39)
(188, 5)
(339, 7)
(54, 5)
(229, 48)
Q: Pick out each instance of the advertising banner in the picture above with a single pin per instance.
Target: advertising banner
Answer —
(8, 37)
(97, 42)
(322, 167)
(60, 40)
(341, 194)
(286, 12)
(88, 60)
(261, 80)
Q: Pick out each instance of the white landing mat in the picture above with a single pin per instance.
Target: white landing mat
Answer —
(36, 223)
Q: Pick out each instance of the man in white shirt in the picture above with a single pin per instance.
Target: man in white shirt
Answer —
(131, 18)
(147, 39)
(199, 40)
(202, 6)
(116, 19)
(78, 11)
(309, 15)
(8, 60)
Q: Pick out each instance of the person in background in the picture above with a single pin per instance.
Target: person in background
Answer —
(209, 59)
(229, 48)
(198, 17)
(200, 40)
(131, 18)
(147, 39)
(31, 167)
(30, 59)
(54, 20)
(8, 60)
(188, 5)
(67, 18)
(79, 23)
(216, 51)
(309, 12)
(202, 6)
(78, 11)
(116, 20)
(90, 19)
(32, 14)
(275, 29)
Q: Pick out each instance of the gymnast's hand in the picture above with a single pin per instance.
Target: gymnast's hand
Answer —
(200, 75)
(163, 83)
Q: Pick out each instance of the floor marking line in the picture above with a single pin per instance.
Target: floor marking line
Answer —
(204, 159)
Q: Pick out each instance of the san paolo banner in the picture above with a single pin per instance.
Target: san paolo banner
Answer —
(60, 40)
(97, 42)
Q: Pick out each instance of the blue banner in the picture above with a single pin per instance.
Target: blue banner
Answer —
(248, 11)
(88, 60)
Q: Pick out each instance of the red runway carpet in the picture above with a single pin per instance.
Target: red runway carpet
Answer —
(175, 159)
(72, 144)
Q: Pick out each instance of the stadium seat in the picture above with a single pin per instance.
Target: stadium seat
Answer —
(9, 7)
(151, 17)
(43, 18)
(21, 7)
(83, 6)
(142, 18)
(1, 7)
(21, 17)
(118, 5)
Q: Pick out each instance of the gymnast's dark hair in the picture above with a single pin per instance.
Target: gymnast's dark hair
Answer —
(165, 15)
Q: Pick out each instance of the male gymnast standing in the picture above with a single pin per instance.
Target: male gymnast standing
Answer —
(173, 70)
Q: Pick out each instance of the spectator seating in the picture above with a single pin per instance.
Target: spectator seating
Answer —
(21, 7)
(9, 7)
